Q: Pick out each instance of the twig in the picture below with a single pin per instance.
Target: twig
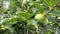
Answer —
(53, 8)
(27, 31)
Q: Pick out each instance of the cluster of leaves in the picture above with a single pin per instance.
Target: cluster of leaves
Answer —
(29, 16)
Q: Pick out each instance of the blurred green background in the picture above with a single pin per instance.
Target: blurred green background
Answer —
(29, 16)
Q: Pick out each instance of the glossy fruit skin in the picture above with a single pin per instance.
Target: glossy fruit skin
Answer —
(38, 16)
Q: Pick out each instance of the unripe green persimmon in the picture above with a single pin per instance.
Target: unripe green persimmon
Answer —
(39, 16)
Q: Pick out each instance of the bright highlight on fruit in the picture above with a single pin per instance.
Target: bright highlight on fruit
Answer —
(39, 16)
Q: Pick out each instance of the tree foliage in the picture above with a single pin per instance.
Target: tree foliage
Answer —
(29, 16)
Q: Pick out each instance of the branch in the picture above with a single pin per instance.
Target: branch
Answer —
(58, 4)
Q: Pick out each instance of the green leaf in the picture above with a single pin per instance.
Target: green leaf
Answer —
(12, 20)
(37, 5)
(51, 3)
(46, 21)
(48, 32)
(13, 4)
(33, 23)
(26, 15)
(56, 12)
